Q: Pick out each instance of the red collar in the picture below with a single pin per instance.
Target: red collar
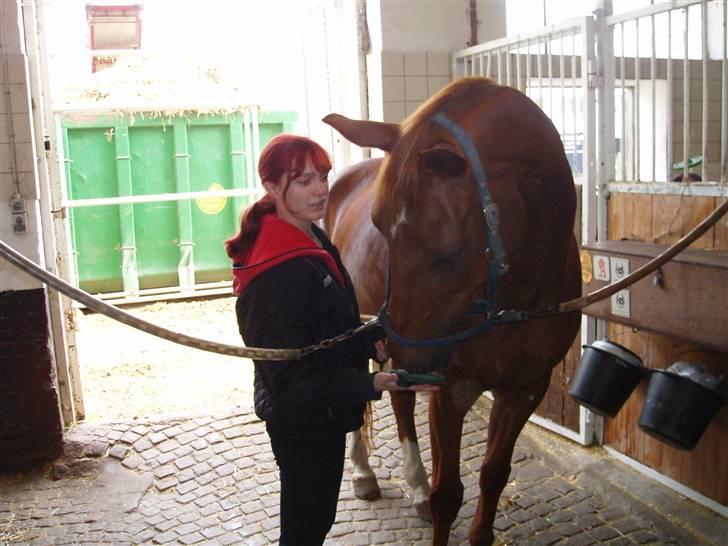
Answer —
(277, 242)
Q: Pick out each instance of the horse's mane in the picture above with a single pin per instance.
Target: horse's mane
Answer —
(414, 130)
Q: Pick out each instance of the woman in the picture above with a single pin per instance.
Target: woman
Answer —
(294, 292)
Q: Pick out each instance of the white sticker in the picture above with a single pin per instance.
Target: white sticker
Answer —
(601, 268)
(619, 268)
(620, 303)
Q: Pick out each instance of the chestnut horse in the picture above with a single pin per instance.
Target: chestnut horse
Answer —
(474, 196)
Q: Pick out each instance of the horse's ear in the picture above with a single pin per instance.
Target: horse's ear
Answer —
(368, 134)
(443, 159)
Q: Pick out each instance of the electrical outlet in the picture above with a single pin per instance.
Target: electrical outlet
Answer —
(17, 205)
(20, 222)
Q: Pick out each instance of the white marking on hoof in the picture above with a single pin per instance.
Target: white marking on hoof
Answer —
(416, 477)
(363, 480)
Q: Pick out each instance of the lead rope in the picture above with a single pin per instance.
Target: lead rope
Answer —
(117, 314)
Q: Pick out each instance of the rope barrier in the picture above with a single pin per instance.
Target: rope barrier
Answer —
(117, 314)
(261, 353)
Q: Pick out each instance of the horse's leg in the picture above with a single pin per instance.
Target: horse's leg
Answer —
(508, 415)
(363, 479)
(447, 412)
(403, 405)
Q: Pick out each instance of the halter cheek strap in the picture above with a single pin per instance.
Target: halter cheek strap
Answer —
(494, 250)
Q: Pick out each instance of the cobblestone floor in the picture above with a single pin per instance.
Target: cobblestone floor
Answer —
(213, 480)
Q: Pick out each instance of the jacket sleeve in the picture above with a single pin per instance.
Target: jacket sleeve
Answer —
(282, 309)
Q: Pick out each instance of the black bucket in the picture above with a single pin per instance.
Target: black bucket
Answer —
(680, 403)
(606, 376)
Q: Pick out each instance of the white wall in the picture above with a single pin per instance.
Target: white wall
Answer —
(411, 43)
(433, 25)
(17, 159)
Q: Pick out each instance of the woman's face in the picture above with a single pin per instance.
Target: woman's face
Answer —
(304, 201)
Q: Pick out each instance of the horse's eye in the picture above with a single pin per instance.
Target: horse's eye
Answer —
(447, 259)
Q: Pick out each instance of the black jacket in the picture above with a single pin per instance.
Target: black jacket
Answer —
(295, 304)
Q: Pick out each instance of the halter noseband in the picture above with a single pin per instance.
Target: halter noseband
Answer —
(493, 249)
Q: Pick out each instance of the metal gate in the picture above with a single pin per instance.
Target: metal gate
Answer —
(639, 100)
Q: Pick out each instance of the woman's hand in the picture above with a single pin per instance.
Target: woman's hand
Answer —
(387, 381)
(382, 353)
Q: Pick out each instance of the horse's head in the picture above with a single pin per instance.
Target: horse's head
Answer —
(427, 207)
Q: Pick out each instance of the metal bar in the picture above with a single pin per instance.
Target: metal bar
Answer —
(158, 197)
(256, 148)
(653, 77)
(686, 98)
(575, 103)
(605, 119)
(650, 10)
(519, 81)
(456, 67)
(481, 64)
(487, 65)
(540, 84)
(528, 68)
(54, 247)
(704, 48)
(185, 267)
(695, 189)
(563, 90)
(575, 22)
(622, 69)
(551, 75)
(248, 149)
(237, 166)
(500, 67)
(589, 193)
(129, 271)
(724, 102)
(636, 114)
(507, 53)
(65, 185)
(669, 77)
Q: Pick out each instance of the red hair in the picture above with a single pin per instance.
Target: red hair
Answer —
(283, 155)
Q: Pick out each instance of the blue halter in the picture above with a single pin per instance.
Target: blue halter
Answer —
(494, 249)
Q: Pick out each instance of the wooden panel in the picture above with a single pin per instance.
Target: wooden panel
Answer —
(666, 218)
(691, 303)
(629, 217)
(557, 405)
(699, 468)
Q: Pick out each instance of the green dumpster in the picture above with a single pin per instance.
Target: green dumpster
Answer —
(151, 200)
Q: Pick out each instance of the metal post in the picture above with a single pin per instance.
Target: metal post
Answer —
(186, 266)
(622, 70)
(704, 48)
(653, 77)
(237, 166)
(129, 271)
(686, 96)
(724, 102)
(636, 114)
(669, 77)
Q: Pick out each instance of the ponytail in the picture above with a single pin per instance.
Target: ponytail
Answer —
(240, 244)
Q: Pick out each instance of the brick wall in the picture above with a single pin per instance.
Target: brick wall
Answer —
(30, 428)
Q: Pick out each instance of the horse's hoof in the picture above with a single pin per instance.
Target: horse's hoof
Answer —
(366, 488)
(423, 511)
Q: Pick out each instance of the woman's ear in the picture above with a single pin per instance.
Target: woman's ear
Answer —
(271, 189)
